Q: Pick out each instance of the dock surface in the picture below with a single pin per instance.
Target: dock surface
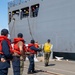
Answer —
(62, 67)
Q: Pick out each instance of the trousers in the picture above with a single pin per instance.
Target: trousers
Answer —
(4, 71)
(16, 65)
(31, 65)
(21, 66)
(46, 57)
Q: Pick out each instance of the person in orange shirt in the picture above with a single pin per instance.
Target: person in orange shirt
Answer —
(37, 46)
(5, 52)
(32, 49)
(19, 55)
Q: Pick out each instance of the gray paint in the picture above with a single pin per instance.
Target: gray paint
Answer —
(55, 21)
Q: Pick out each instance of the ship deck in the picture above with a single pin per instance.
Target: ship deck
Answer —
(62, 67)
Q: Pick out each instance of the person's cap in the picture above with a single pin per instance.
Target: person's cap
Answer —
(20, 35)
(33, 41)
(48, 40)
(4, 32)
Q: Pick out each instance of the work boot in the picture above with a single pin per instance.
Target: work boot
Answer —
(34, 71)
(46, 64)
(30, 72)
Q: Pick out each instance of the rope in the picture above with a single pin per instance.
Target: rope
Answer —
(30, 28)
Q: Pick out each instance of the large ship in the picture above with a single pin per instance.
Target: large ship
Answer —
(45, 19)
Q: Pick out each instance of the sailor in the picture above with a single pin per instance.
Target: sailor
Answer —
(37, 46)
(36, 10)
(27, 13)
(5, 52)
(19, 55)
(33, 11)
(47, 51)
(32, 49)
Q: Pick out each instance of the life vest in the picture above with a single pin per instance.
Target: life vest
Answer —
(30, 50)
(47, 47)
(9, 44)
(36, 45)
(15, 46)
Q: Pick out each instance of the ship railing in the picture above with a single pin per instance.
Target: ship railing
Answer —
(16, 2)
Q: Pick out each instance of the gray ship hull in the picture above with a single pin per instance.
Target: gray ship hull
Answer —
(55, 21)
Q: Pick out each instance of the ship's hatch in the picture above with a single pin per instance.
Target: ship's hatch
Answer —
(15, 12)
(24, 12)
(34, 10)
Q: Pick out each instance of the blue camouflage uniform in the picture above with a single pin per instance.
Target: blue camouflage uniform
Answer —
(31, 68)
(7, 56)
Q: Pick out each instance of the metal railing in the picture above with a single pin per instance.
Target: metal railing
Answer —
(16, 2)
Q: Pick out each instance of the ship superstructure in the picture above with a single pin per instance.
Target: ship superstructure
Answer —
(44, 19)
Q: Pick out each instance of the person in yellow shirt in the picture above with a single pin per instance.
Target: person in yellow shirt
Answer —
(47, 52)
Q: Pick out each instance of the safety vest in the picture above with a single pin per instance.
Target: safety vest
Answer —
(15, 46)
(47, 47)
(30, 50)
(36, 45)
(9, 44)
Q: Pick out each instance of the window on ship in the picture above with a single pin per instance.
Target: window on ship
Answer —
(9, 17)
(24, 12)
(16, 12)
(34, 10)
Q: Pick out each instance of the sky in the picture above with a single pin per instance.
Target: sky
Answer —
(4, 14)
